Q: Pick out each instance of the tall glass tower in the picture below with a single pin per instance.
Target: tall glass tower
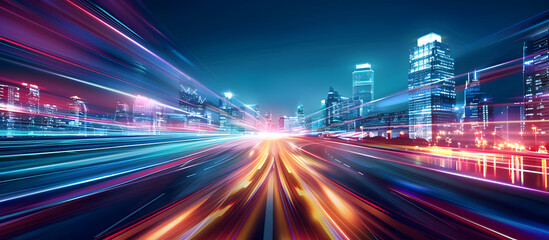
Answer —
(536, 88)
(363, 86)
(473, 99)
(431, 88)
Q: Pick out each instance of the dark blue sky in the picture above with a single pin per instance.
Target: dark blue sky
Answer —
(283, 53)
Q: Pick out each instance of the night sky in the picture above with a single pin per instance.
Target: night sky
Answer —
(283, 53)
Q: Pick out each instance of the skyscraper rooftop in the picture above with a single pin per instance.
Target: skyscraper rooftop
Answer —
(429, 38)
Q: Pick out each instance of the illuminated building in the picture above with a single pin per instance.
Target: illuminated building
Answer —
(318, 118)
(144, 113)
(78, 113)
(478, 112)
(195, 107)
(379, 124)
(340, 112)
(288, 124)
(363, 86)
(473, 97)
(268, 121)
(536, 86)
(301, 117)
(30, 102)
(332, 108)
(50, 120)
(9, 99)
(121, 113)
(226, 112)
(431, 86)
(229, 115)
(252, 116)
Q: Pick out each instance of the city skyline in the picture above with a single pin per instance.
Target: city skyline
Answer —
(331, 48)
(274, 120)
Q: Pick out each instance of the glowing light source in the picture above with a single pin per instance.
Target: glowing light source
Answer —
(229, 95)
(429, 38)
(364, 65)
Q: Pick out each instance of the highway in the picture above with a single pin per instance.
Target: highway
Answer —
(248, 187)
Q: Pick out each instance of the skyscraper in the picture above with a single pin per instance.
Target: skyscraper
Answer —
(229, 114)
(121, 113)
(252, 116)
(332, 108)
(431, 87)
(301, 117)
(536, 87)
(268, 122)
(363, 86)
(473, 97)
(194, 107)
(9, 99)
(78, 110)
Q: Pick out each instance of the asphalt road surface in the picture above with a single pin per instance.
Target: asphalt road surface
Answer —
(236, 187)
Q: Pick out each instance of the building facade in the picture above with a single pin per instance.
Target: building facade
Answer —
(363, 87)
(536, 88)
(431, 87)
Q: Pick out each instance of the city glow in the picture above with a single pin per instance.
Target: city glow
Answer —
(116, 121)
(429, 38)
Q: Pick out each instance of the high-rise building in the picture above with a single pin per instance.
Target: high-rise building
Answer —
(431, 87)
(229, 115)
(363, 87)
(194, 107)
(78, 112)
(144, 113)
(252, 116)
(51, 121)
(121, 113)
(30, 103)
(269, 121)
(301, 117)
(332, 108)
(536, 88)
(9, 101)
(474, 99)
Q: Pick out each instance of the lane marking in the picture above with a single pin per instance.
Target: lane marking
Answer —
(121, 220)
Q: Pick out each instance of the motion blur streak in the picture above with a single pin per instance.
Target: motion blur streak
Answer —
(219, 186)
(299, 187)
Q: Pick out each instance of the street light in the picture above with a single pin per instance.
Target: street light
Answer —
(362, 133)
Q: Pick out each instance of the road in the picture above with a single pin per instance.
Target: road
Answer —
(235, 187)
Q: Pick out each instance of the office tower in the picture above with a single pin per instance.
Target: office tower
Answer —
(194, 107)
(78, 113)
(226, 113)
(121, 113)
(9, 101)
(332, 108)
(318, 118)
(144, 112)
(252, 116)
(30, 103)
(431, 87)
(51, 121)
(474, 99)
(268, 121)
(281, 121)
(536, 88)
(301, 117)
(363, 86)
